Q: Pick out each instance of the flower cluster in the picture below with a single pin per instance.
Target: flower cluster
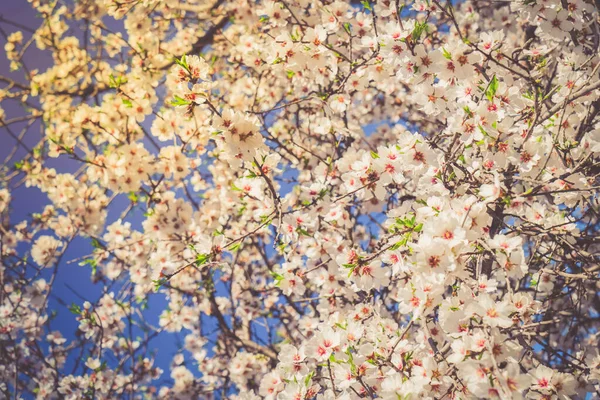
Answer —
(313, 199)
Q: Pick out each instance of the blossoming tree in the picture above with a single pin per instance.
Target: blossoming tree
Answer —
(379, 199)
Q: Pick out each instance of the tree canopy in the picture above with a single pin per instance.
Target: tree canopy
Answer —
(331, 199)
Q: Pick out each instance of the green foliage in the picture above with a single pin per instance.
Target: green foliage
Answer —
(492, 88)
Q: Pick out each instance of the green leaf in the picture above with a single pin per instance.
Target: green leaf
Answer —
(75, 309)
(278, 277)
(419, 29)
(340, 326)
(202, 259)
(397, 245)
(483, 131)
(468, 111)
(295, 35)
(407, 222)
(112, 82)
(115, 83)
(265, 218)
(235, 246)
(527, 192)
(133, 197)
(351, 361)
(492, 88)
(366, 4)
(92, 263)
(303, 232)
(158, 283)
(308, 378)
(127, 103)
(447, 54)
(347, 28)
(179, 101)
(374, 155)
(183, 63)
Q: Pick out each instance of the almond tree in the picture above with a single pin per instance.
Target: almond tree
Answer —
(378, 199)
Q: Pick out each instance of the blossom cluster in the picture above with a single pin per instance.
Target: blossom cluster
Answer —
(328, 199)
